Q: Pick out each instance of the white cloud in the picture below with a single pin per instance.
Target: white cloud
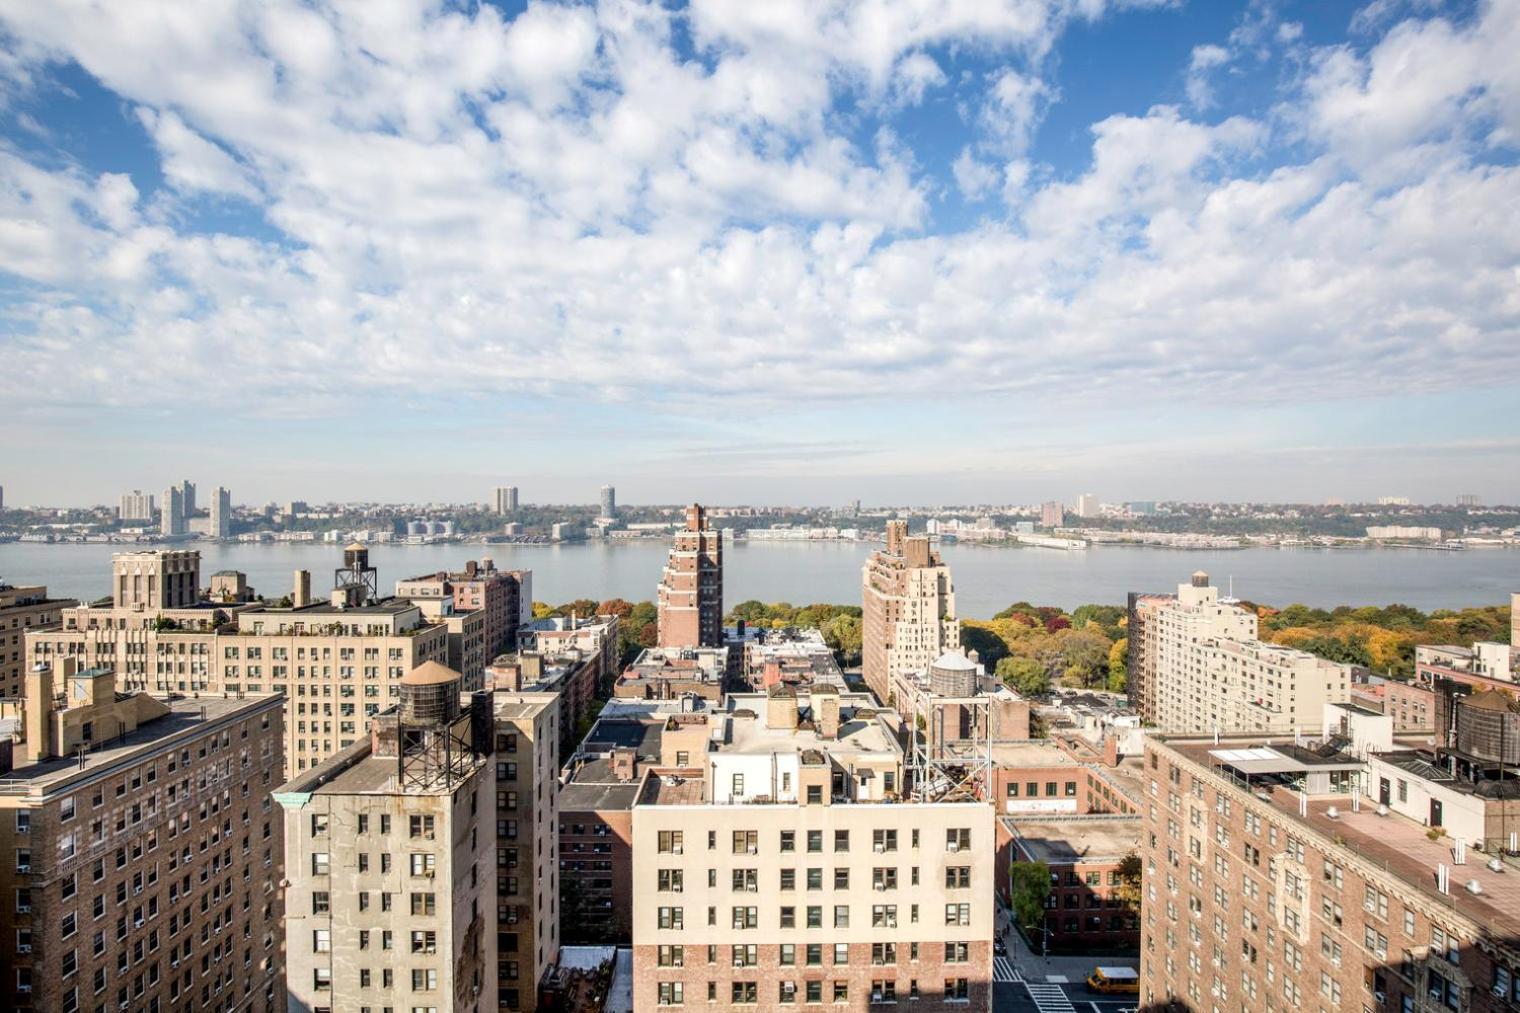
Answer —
(192, 163)
(1203, 60)
(973, 177)
(566, 204)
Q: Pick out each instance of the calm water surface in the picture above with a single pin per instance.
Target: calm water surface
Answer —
(986, 579)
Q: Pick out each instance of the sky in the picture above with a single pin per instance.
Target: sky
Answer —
(800, 251)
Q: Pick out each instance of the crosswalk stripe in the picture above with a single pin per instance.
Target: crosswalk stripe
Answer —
(1004, 971)
(1049, 998)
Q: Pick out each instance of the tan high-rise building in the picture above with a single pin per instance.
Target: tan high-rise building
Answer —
(908, 600)
(141, 856)
(1275, 880)
(423, 861)
(1196, 666)
(23, 609)
(691, 587)
(791, 873)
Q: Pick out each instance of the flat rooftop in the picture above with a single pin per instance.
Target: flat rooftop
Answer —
(1030, 754)
(1395, 843)
(1072, 839)
(186, 717)
(861, 728)
(384, 607)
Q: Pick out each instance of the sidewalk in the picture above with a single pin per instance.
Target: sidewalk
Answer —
(1073, 967)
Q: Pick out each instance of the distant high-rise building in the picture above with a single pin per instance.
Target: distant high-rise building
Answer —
(609, 501)
(172, 521)
(1087, 505)
(187, 496)
(1052, 514)
(221, 513)
(136, 506)
(504, 499)
(1141, 507)
(1469, 500)
(909, 610)
(691, 588)
(102, 848)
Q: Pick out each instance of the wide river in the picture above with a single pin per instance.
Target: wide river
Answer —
(986, 579)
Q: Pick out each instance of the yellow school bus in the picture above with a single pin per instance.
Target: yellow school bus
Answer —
(1114, 981)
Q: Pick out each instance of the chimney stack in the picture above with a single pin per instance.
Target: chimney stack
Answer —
(300, 595)
(896, 532)
(781, 708)
(826, 711)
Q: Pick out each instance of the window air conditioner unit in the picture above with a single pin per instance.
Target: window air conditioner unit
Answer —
(954, 846)
(879, 848)
(24, 868)
(676, 850)
(878, 886)
(753, 849)
(24, 948)
(23, 909)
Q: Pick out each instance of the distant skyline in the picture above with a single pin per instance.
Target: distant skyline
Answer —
(974, 251)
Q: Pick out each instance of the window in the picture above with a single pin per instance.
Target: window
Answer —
(422, 903)
(745, 955)
(746, 917)
(671, 993)
(319, 862)
(669, 842)
(425, 942)
(321, 902)
(958, 839)
(815, 841)
(841, 991)
(957, 914)
(842, 878)
(670, 918)
(841, 840)
(841, 916)
(815, 917)
(420, 827)
(883, 841)
(815, 879)
(422, 864)
(788, 840)
(958, 877)
(745, 992)
(670, 880)
(321, 941)
(884, 916)
(957, 989)
(788, 879)
(746, 842)
(957, 953)
(672, 956)
(789, 917)
(738, 784)
(815, 794)
(883, 953)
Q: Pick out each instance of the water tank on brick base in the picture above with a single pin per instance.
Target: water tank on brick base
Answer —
(953, 674)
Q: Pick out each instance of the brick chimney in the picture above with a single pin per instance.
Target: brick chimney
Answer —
(624, 763)
(1111, 750)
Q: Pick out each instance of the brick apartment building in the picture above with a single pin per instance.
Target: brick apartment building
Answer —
(23, 609)
(788, 876)
(908, 606)
(1273, 881)
(691, 587)
(139, 850)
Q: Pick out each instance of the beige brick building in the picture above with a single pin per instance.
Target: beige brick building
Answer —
(1197, 666)
(23, 609)
(399, 844)
(145, 875)
(338, 663)
(788, 875)
(909, 618)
